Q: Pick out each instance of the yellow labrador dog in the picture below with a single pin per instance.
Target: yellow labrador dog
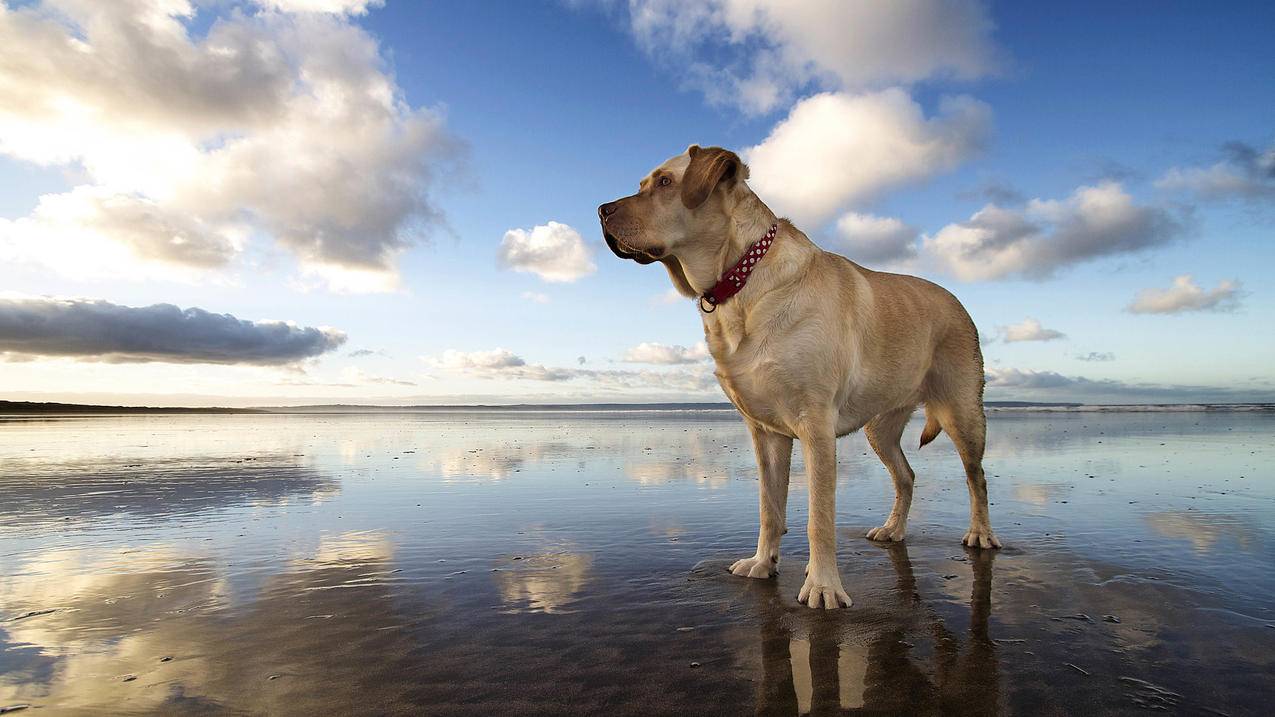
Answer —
(808, 345)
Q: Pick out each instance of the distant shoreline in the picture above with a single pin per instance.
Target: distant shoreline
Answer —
(49, 408)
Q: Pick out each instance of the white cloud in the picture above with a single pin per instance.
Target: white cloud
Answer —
(267, 124)
(1099, 356)
(1029, 329)
(655, 353)
(535, 297)
(1244, 173)
(836, 149)
(757, 54)
(493, 360)
(1045, 236)
(554, 252)
(1017, 378)
(102, 331)
(90, 232)
(870, 239)
(1185, 295)
(339, 7)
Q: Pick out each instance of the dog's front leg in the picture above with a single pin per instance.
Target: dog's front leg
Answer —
(774, 456)
(823, 583)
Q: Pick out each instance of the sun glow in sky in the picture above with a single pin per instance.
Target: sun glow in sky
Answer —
(319, 201)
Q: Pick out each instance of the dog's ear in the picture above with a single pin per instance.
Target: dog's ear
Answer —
(709, 167)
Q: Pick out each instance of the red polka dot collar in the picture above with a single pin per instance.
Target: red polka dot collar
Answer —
(732, 281)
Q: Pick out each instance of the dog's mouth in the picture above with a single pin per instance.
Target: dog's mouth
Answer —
(624, 251)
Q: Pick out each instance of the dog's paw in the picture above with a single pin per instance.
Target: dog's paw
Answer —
(981, 538)
(888, 533)
(823, 589)
(758, 566)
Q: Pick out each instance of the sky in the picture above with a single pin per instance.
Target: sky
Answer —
(349, 201)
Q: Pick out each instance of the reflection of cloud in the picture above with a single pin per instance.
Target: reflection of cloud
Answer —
(119, 612)
(667, 527)
(492, 460)
(664, 472)
(543, 583)
(1039, 493)
(354, 548)
(1203, 530)
(91, 592)
(692, 461)
(43, 491)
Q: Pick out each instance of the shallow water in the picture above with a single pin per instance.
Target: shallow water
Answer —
(481, 564)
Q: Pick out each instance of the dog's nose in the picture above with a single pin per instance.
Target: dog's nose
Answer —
(606, 210)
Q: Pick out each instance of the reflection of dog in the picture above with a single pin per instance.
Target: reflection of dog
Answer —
(808, 345)
(808, 671)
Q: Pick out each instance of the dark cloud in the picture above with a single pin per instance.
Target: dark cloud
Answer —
(1020, 384)
(1096, 356)
(1109, 170)
(994, 192)
(1258, 164)
(102, 331)
(1243, 172)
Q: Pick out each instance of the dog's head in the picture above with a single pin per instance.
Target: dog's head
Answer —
(682, 204)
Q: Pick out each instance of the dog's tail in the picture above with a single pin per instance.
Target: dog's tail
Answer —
(932, 428)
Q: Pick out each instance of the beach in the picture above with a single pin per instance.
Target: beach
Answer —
(574, 562)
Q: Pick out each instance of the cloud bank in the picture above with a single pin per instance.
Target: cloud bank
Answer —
(504, 364)
(1005, 383)
(102, 331)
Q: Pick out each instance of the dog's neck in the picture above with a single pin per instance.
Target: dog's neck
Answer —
(750, 220)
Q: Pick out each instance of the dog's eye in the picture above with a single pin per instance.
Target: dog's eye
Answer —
(665, 181)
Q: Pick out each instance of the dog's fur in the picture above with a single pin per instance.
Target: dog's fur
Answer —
(813, 347)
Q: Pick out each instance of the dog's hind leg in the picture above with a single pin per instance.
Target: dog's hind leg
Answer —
(966, 425)
(774, 458)
(884, 432)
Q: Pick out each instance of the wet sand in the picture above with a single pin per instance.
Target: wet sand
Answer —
(482, 564)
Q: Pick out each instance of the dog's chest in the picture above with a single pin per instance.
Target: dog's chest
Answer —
(751, 381)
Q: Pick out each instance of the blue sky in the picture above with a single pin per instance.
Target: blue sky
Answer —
(362, 176)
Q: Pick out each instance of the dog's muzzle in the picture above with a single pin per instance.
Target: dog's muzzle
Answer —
(623, 250)
(617, 247)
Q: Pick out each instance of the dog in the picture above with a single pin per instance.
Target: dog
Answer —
(810, 346)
